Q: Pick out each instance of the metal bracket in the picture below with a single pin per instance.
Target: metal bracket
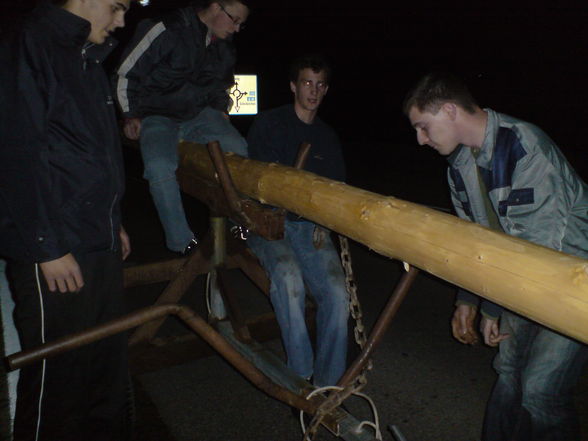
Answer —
(252, 216)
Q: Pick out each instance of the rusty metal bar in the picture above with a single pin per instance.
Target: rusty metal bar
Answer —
(235, 316)
(218, 226)
(193, 320)
(381, 326)
(303, 151)
(152, 272)
(176, 288)
(224, 177)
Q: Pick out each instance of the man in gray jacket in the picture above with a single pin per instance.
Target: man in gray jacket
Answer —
(508, 175)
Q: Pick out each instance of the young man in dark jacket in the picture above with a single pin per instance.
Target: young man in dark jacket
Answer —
(61, 181)
(173, 84)
(306, 255)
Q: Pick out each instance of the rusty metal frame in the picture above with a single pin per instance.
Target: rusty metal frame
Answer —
(283, 385)
(290, 390)
(380, 327)
(222, 252)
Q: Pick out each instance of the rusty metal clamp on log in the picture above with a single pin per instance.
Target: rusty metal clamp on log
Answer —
(251, 215)
(254, 217)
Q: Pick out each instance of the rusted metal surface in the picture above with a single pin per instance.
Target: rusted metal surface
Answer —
(264, 221)
(235, 315)
(380, 327)
(206, 191)
(190, 318)
(338, 421)
(152, 272)
(302, 155)
(198, 263)
(226, 182)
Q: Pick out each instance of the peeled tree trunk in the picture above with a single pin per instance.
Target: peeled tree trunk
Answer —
(547, 286)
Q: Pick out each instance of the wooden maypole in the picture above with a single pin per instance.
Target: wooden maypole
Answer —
(547, 286)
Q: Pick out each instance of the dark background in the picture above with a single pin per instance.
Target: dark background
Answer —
(527, 61)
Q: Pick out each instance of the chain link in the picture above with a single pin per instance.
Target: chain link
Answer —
(354, 305)
(335, 398)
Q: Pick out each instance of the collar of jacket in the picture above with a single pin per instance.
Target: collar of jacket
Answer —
(73, 30)
(463, 154)
(190, 17)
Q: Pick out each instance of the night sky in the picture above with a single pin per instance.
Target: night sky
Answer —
(529, 62)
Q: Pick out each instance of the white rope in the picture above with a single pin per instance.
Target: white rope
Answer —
(207, 295)
(374, 425)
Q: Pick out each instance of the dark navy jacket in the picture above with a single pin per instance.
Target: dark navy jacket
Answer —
(61, 175)
(276, 135)
(168, 70)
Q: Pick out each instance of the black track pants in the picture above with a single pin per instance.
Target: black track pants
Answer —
(82, 394)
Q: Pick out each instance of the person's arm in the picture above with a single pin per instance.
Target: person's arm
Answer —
(263, 140)
(223, 78)
(26, 184)
(132, 128)
(63, 274)
(541, 196)
(26, 192)
(490, 329)
(150, 45)
(125, 243)
(463, 324)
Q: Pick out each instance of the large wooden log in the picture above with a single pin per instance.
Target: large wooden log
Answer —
(547, 286)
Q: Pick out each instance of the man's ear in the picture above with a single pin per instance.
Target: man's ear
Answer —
(450, 110)
(292, 87)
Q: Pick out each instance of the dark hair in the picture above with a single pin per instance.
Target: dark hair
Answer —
(316, 62)
(437, 88)
(203, 4)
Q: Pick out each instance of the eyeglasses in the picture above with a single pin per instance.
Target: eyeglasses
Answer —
(235, 21)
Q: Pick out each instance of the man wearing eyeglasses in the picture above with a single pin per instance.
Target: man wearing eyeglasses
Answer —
(306, 255)
(173, 84)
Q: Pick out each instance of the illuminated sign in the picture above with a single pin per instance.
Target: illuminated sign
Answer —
(244, 95)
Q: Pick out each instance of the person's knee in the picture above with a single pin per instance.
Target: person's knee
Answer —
(287, 278)
(540, 396)
(159, 168)
(234, 143)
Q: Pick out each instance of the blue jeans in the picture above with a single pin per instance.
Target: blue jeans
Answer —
(159, 140)
(290, 263)
(537, 370)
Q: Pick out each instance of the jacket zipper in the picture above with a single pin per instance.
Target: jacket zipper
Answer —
(112, 236)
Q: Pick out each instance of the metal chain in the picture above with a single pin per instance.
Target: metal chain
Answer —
(335, 398)
(354, 305)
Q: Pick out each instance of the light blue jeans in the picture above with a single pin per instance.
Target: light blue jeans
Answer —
(159, 140)
(10, 335)
(533, 396)
(290, 263)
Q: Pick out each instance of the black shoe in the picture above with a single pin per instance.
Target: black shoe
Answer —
(190, 248)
